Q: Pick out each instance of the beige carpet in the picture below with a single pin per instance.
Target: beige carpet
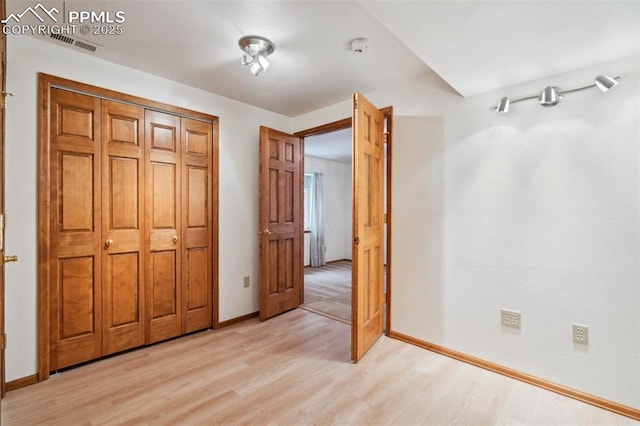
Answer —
(327, 290)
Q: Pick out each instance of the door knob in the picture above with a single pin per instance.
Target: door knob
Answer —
(8, 259)
(108, 243)
(175, 239)
(266, 232)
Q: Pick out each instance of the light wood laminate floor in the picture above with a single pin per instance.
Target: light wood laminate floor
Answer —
(292, 369)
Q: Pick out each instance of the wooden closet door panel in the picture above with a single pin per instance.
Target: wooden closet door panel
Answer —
(122, 226)
(163, 223)
(75, 290)
(197, 222)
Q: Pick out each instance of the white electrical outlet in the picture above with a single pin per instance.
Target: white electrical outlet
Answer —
(580, 334)
(246, 281)
(510, 318)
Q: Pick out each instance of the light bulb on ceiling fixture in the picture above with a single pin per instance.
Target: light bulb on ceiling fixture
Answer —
(264, 63)
(247, 59)
(503, 105)
(255, 68)
(604, 82)
(550, 96)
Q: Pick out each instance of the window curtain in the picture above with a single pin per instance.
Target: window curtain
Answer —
(316, 221)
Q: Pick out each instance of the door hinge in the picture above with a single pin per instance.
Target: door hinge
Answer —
(3, 342)
(356, 240)
(385, 218)
(5, 96)
(355, 104)
(3, 224)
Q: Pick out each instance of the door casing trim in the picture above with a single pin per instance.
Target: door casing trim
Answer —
(346, 123)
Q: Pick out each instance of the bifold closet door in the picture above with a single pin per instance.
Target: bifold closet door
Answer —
(163, 246)
(122, 226)
(76, 244)
(197, 221)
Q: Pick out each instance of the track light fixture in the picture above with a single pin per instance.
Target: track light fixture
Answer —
(551, 95)
(256, 49)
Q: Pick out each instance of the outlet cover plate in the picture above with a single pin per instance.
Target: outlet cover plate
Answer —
(510, 318)
(580, 334)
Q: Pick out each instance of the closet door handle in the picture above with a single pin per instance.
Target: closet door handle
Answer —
(108, 243)
(175, 239)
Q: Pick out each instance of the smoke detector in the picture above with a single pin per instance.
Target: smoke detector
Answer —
(359, 45)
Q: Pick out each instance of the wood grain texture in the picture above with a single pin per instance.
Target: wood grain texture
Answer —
(292, 369)
(3, 74)
(122, 126)
(75, 217)
(21, 382)
(197, 225)
(163, 223)
(123, 262)
(368, 226)
(103, 93)
(280, 222)
(238, 320)
(630, 412)
(388, 115)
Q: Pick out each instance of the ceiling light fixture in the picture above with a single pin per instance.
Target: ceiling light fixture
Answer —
(256, 49)
(552, 95)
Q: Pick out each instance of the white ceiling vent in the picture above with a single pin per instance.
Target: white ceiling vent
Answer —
(74, 42)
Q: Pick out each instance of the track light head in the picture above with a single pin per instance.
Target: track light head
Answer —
(550, 96)
(604, 82)
(503, 105)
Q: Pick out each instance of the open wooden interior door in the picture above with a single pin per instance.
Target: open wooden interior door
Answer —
(368, 226)
(281, 222)
(3, 66)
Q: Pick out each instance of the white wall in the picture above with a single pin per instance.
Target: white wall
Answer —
(337, 189)
(238, 220)
(537, 210)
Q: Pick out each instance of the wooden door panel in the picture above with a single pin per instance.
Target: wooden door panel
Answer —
(76, 301)
(197, 193)
(164, 177)
(3, 87)
(124, 193)
(197, 222)
(123, 270)
(75, 122)
(280, 222)
(122, 219)
(165, 293)
(163, 132)
(368, 226)
(75, 164)
(163, 240)
(197, 274)
(76, 183)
